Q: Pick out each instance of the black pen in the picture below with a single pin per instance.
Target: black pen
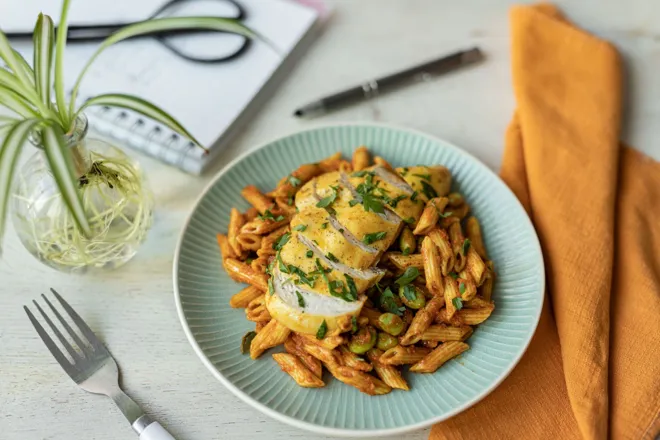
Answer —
(372, 88)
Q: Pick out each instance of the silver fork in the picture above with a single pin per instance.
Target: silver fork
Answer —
(93, 367)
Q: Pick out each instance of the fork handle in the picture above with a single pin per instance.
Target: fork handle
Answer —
(155, 432)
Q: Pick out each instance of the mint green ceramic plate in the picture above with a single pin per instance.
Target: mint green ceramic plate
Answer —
(202, 290)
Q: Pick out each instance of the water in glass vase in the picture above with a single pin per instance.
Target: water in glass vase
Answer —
(116, 197)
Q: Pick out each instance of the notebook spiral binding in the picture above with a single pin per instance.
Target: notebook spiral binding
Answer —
(145, 135)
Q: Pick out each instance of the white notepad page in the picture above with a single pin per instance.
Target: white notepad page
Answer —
(206, 98)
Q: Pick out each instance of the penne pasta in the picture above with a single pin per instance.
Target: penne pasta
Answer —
(288, 186)
(447, 257)
(256, 310)
(260, 227)
(243, 273)
(271, 335)
(257, 199)
(473, 232)
(330, 163)
(466, 288)
(329, 342)
(371, 314)
(360, 380)
(268, 241)
(292, 365)
(244, 297)
(360, 158)
(225, 248)
(439, 356)
(457, 241)
(401, 355)
(312, 364)
(387, 373)
(236, 221)
(403, 262)
(327, 356)
(285, 206)
(444, 333)
(432, 270)
(422, 320)
(476, 303)
(451, 295)
(352, 360)
(345, 166)
(475, 316)
(430, 215)
(248, 242)
(476, 267)
(486, 289)
(259, 325)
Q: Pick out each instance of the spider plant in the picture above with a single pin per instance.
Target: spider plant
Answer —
(26, 91)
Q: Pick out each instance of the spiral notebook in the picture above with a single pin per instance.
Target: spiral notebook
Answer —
(213, 101)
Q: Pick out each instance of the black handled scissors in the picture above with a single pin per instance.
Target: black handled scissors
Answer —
(98, 32)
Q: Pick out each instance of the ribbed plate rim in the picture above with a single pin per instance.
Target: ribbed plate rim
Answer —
(341, 432)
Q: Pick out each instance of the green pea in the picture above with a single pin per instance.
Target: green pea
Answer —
(390, 323)
(363, 340)
(412, 297)
(386, 341)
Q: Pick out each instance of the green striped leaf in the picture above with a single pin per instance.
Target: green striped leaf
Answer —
(16, 103)
(60, 96)
(14, 61)
(43, 38)
(61, 165)
(11, 147)
(162, 24)
(141, 106)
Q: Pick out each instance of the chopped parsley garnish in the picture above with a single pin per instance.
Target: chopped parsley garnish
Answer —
(300, 228)
(371, 203)
(428, 190)
(289, 201)
(294, 180)
(353, 202)
(352, 288)
(373, 237)
(362, 173)
(271, 289)
(395, 201)
(423, 176)
(410, 293)
(324, 225)
(445, 214)
(461, 288)
(414, 195)
(315, 242)
(327, 201)
(466, 245)
(309, 254)
(301, 300)
(408, 276)
(323, 328)
(404, 172)
(332, 257)
(302, 276)
(267, 215)
(283, 267)
(405, 252)
(354, 325)
(454, 275)
(249, 260)
(388, 303)
(247, 341)
(409, 220)
(279, 244)
(341, 230)
(457, 302)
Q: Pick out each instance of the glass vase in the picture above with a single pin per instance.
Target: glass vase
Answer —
(117, 201)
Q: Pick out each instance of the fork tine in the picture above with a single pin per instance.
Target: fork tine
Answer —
(54, 350)
(84, 328)
(65, 343)
(67, 327)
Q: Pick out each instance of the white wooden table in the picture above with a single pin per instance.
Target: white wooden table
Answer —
(133, 308)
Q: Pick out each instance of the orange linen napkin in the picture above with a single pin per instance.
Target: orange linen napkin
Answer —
(592, 370)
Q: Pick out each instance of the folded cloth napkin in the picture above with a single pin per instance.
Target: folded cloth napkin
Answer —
(592, 370)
